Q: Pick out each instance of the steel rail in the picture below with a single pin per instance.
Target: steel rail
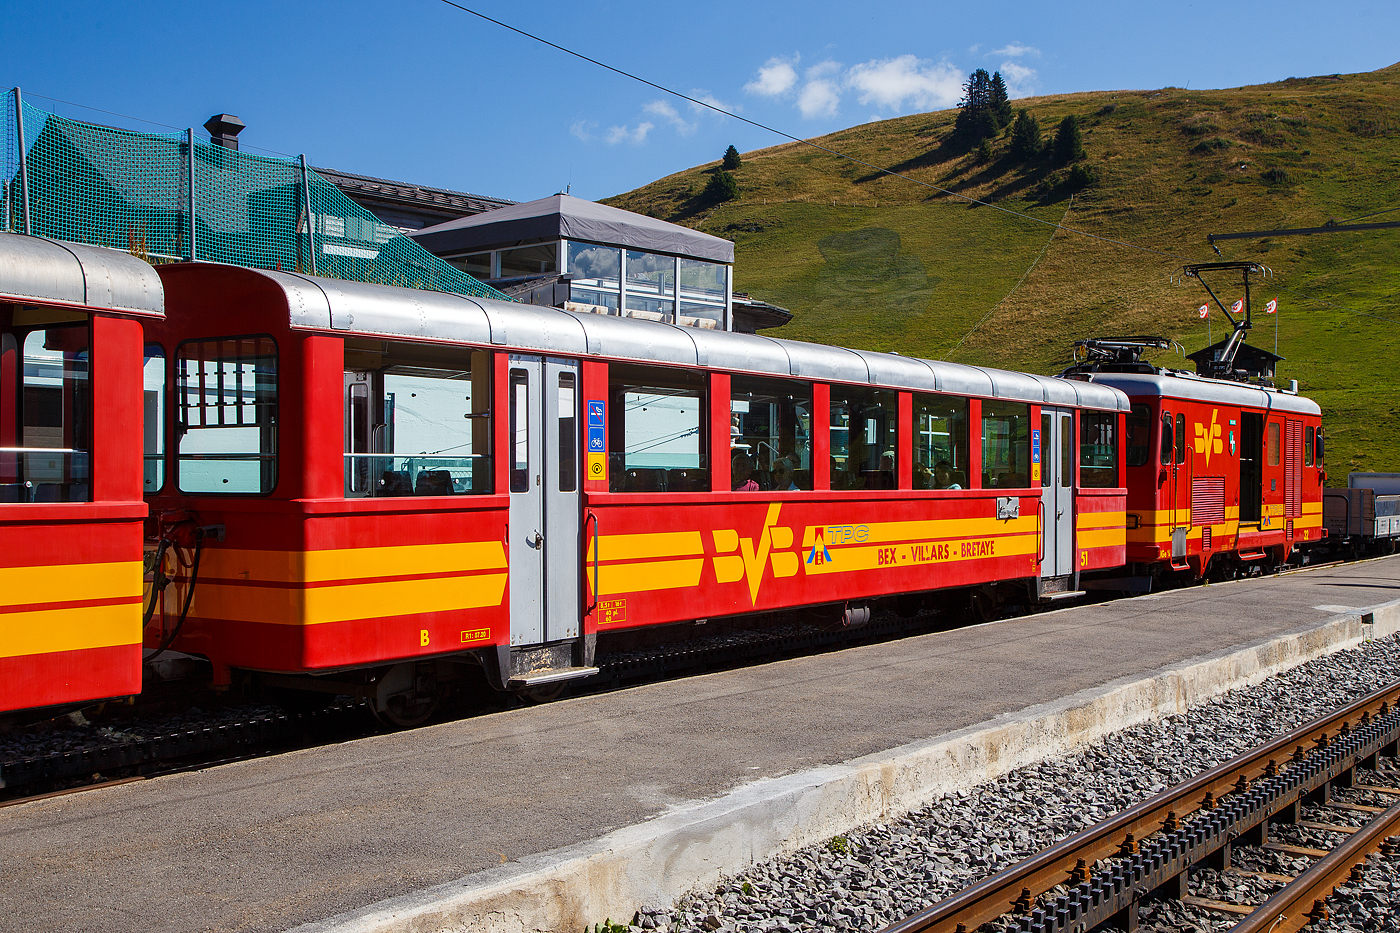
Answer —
(1300, 902)
(1227, 802)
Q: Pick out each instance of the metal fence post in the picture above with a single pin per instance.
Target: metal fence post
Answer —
(23, 163)
(306, 207)
(189, 202)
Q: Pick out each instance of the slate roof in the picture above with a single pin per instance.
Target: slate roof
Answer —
(408, 194)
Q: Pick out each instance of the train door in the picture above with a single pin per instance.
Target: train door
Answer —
(1273, 480)
(1057, 492)
(1175, 489)
(542, 405)
(1251, 468)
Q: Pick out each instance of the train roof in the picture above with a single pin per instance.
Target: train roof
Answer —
(38, 270)
(371, 310)
(1195, 388)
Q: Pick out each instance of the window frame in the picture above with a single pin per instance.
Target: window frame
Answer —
(801, 393)
(991, 409)
(623, 376)
(964, 469)
(842, 394)
(275, 411)
(1088, 421)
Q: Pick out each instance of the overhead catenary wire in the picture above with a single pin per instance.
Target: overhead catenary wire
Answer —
(841, 155)
(807, 142)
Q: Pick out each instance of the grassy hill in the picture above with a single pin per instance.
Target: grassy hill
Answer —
(868, 260)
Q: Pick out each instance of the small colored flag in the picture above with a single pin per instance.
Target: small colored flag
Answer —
(1203, 311)
(1271, 307)
(1238, 306)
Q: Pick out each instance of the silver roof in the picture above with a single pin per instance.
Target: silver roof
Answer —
(37, 270)
(1200, 389)
(387, 311)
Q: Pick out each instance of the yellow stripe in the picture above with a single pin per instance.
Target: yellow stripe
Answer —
(649, 575)
(649, 546)
(848, 559)
(350, 563)
(1101, 537)
(1101, 519)
(292, 606)
(1312, 508)
(64, 582)
(884, 532)
(50, 630)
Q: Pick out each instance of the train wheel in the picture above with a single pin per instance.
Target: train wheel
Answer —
(402, 713)
(545, 694)
(407, 695)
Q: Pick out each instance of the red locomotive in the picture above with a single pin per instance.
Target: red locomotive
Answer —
(1224, 474)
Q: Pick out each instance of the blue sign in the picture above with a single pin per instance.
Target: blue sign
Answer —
(1035, 446)
(595, 415)
(595, 440)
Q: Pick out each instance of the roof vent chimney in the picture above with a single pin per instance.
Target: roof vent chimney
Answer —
(224, 129)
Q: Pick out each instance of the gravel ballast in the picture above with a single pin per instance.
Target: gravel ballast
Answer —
(879, 874)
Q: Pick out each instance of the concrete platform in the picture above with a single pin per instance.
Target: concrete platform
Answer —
(552, 817)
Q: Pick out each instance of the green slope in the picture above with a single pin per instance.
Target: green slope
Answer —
(877, 262)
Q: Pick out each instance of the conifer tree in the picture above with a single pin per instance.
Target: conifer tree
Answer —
(1069, 144)
(1025, 138)
(999, 100)
(731, 159)
(975, 120)
(722, 187)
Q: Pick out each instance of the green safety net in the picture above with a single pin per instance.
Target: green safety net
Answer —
(130, 191)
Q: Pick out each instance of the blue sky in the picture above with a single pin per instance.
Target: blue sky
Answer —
(414, 90)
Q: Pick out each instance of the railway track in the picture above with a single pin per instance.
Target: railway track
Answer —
(1101, 877)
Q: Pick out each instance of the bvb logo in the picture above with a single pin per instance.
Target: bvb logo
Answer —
(1208, 440)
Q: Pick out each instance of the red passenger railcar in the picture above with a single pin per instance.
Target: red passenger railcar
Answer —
(1223, 476)
(71, 422)
(408, 479)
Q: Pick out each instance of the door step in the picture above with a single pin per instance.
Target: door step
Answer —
(549, 676)
(1067, 594)
(1252, 555)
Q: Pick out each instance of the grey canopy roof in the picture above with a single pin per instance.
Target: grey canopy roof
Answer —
(385, 311)
(563, 216)
(37, 270)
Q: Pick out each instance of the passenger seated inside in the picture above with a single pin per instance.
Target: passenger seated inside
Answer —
(783, 476)
(887, 479)
(741, 473)
(943, 477)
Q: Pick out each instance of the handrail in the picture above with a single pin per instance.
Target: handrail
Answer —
(1040, 531)
(590, 514)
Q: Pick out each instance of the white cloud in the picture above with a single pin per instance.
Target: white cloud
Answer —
(776, 77)
(637, 136)
(893, 83)
(713, 101)
(583, 129)
(821, 94)
(1020, 80)
(664, 110)
(1015, 50)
